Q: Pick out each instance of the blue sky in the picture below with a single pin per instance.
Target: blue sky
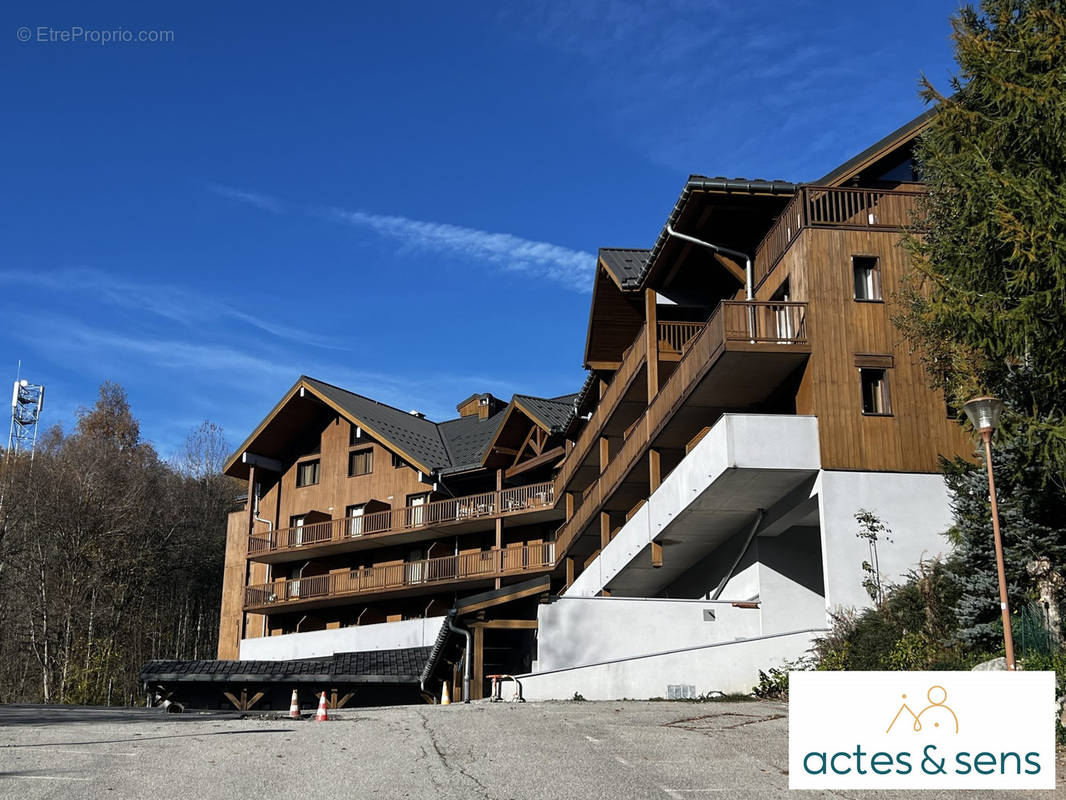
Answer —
(404, 200)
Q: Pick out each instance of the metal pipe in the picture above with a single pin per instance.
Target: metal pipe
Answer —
(749, 289)
(1004, 606)
(743, 552)
(467, 658)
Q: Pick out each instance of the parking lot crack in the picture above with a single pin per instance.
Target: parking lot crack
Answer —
(448, 765)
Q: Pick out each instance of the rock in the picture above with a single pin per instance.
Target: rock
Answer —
(995, 665)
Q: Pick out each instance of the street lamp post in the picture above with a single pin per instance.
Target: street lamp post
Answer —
(984, 413)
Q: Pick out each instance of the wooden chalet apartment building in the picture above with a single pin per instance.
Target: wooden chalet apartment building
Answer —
(683, 520)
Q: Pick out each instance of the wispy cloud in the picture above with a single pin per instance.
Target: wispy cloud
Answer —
(571, 268)
(257, 199)
(170, 302)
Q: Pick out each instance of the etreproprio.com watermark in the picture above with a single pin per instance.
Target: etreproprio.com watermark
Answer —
(76, 34)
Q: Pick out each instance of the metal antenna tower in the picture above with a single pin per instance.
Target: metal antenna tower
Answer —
(27, 400)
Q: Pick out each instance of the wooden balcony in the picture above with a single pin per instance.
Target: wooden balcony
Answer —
(401, 525)
(624, 386)
(675, 337)
(738, 358)
(427, 575)
(825, 207)
(627, 387)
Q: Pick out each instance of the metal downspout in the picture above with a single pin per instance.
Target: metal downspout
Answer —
(749, 288)
(467, 657)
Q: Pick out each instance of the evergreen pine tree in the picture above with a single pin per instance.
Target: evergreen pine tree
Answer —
(986, 305)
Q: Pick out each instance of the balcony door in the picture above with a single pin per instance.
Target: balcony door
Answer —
(354, 515)
(416, 566)
(784, 315)
(416, 514)
(296, 534)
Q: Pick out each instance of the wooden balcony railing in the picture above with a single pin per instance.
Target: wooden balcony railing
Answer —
(733, 321)
(674, 336)
(380, 523)
(632, 360)
(765, 322)
(368, 580)
(826, 207)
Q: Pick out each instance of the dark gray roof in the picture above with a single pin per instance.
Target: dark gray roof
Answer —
(701, 183)
(554, 413)
(467, 437)
(624, 263)
(416, 436)
(373, 666)
(448, 447)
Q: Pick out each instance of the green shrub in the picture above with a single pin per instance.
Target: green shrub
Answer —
(773, 685)
(1054, 663)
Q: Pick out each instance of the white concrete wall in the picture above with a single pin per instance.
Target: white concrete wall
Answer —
(790, 580)
(915, 506)
(736, 441)
(314, 644)
(586, 630)
(725, 667)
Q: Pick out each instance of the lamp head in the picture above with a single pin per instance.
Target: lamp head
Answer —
(984, 413)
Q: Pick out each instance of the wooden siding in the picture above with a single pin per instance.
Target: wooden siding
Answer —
(335, 490)
(819, 270)
(377, 526)
(741, 326)
(478, 565)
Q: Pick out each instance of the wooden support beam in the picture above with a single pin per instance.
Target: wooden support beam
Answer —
(569, 566)
(342, 702)
(532, 463)
(609, 366)
(569, 505)
(499, 537)
(656, 555)
(602, 387)
(251, 499)
(478, 678)
(605, 452)
(651, 332)
(505, 624)
(655, 474)
(244, 703)
(735, 268)
(605, 529)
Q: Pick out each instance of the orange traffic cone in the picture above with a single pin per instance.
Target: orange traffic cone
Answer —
(294, 706)
(445, 697)
(322, 715)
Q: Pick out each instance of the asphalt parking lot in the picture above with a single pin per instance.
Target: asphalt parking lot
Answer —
(537, 750)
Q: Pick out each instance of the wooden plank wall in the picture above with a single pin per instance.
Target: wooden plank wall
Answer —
(839, 328)
(230, 627)
(335, 490)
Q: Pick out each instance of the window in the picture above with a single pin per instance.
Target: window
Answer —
(360, 462)
(875, 392)
(307, 473)
(867, 277)
(397, 462)
(355, 434)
